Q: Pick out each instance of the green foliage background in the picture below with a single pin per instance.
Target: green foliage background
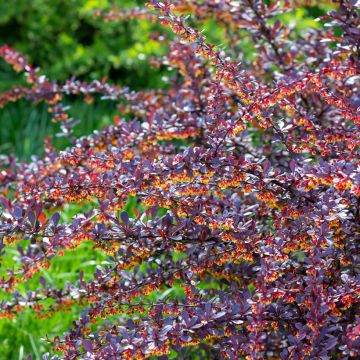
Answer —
(63, 39)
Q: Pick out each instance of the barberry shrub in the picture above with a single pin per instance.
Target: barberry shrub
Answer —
(243, 242)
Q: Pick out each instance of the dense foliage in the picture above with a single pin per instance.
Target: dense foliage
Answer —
(244, 240)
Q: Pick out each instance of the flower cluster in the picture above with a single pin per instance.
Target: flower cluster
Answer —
(246, 174)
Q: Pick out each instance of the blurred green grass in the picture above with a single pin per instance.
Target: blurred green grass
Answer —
(22, 335)
(25, 334)
(23, 126)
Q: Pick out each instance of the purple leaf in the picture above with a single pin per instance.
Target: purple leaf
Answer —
(55, 218)
(17, 213)
(125, 217)
(87, 345)
(266, 166)
(292, 165)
